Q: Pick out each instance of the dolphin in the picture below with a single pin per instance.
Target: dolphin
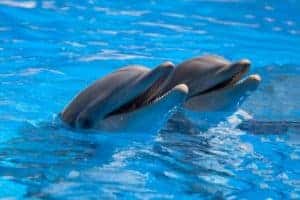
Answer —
(214, 83)
(119, 101)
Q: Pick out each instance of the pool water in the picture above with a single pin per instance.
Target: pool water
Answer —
(50, 50)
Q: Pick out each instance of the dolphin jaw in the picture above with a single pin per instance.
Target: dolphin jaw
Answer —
(239, 69)
(136, 104)
(255, 77)
(183, 88)
(147, 97)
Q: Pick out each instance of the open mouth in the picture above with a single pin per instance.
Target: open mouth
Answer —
(233, 80)
(150, 96)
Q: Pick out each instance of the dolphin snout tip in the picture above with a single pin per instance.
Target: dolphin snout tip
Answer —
(166, 67)
(241, 65)
(182, 88)
(245, 62)
(255, 77)
(167, 64)
(252, 82)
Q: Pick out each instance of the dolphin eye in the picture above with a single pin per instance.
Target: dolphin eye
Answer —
(85, 123)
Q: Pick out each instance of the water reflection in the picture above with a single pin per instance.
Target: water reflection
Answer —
(52, 49)
(19, 4)
(187, 157)
(47, 153)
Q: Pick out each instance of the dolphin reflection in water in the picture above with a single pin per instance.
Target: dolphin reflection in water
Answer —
(269, 127)
(133, 96)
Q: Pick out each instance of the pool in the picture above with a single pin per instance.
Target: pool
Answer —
(51, 49)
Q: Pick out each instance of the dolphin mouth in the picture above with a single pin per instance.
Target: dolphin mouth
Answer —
(149, 96)
(235, 79)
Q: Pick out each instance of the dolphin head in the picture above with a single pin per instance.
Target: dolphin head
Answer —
(215, 83)
(124, 91)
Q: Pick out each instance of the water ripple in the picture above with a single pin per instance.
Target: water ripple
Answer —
(19, 4)
(31, 72)
(111, 55)
(171, 27)
(225, 22)
(52, 49)
(133, 13)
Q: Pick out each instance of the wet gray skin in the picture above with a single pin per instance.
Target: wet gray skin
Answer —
(208, 83)
(125, 91)
(214, 83)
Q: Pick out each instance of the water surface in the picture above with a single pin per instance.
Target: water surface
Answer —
(50, 50)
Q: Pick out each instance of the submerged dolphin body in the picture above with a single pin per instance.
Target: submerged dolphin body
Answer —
(275, 107)
(269, 127)
(132, 96)
(119, 101)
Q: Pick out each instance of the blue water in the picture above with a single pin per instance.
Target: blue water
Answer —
(50, 50)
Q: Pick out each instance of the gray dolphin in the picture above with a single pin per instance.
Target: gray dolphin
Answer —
(120, 99)
(215, 84)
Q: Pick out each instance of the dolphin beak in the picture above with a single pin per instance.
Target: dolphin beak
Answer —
(244, 62)
(239, 68)
(242, 65)
(253, 81)
(255, 77)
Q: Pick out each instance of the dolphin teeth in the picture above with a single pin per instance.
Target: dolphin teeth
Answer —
(158, 98)
(181, 87)
(238, 76)
(145, 98)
